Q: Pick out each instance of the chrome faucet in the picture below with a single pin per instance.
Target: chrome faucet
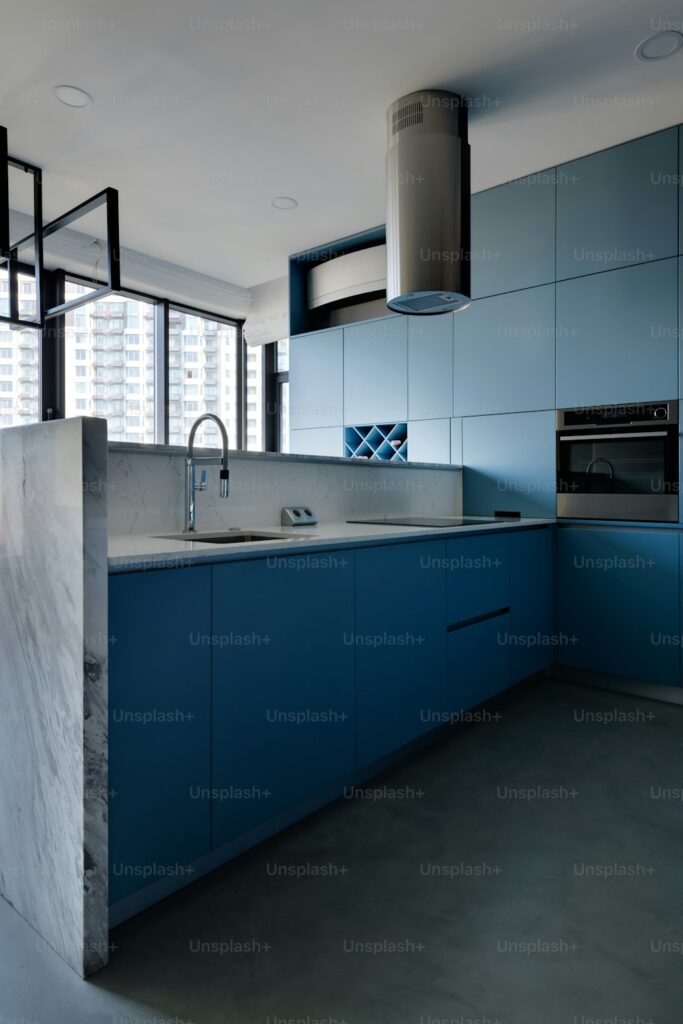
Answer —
(191, 485)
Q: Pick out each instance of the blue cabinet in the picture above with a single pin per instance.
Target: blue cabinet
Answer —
(510, 464)
(619, 601)
(478, 663)
(513, 235)
(505, 354)
(376, 371)
(617, 336)
(430, 367)
(478, 577)
(532, 638)
(159, 725)
(429, 441)
(618, 207)
(283, 685)
(456, 441)
(327, 441)
(316, 380)
(400, 645)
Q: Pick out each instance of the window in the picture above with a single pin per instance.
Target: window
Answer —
(20, 355)
(255, 395)
(106, 347)
(281, 396)
(214, 346)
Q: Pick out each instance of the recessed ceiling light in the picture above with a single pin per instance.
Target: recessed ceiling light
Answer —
(72, 96)
(283, 203)
(659, 46)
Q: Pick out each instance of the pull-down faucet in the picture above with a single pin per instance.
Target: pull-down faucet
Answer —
(191, 485)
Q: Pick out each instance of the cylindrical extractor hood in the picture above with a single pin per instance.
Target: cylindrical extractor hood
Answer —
(428, 203)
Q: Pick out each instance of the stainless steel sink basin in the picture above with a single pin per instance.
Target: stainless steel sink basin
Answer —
(232, 537)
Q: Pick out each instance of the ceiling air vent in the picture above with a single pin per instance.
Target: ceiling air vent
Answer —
(428, 204)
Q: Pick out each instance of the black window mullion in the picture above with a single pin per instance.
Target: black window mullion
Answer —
(241, 374)
(52, 374)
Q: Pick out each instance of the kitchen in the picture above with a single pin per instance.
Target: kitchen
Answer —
(340, 618)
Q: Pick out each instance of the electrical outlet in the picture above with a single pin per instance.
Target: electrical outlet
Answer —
(298, 515)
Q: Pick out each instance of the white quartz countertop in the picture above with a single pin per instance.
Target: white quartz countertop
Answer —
(137, 552)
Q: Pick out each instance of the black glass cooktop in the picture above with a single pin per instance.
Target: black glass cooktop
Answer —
(426, 521)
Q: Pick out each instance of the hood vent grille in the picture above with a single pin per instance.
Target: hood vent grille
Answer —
(407, 116)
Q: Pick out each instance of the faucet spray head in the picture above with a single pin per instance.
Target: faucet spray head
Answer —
(225, 481)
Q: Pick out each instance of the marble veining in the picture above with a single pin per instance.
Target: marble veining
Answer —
(146, 490)
(53, 684)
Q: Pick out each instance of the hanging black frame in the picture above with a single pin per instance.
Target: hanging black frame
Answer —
(9, 252)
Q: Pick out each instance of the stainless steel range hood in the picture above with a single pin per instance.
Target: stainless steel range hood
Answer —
(428, 204)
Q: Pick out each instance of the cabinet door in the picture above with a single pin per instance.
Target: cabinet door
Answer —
(513, 235)
(478, 663)
(619, 601)
(617, 336)
(510, 464)
(376, 371)
(505, 354)
(618, 207)
(532, 602)
(429, 441)
(430, 367)
(321, 441)
(316, 380)
(400, 645)
(159, 724)
(478, 577)
(283, 685)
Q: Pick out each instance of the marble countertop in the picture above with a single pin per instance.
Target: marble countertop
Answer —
(137, 552)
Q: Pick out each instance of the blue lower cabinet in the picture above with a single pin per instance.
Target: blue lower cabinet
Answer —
(400, 645)
(532, 639)
(478, 663)
(619, 601)
(283, 685)
(478, 577)
(159, 726)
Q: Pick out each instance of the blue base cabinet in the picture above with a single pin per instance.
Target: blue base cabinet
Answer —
(478, 663)
(283, 685)
(159, 725)
(400, 644)
(478, 606)
(532, 636)
(619, 601)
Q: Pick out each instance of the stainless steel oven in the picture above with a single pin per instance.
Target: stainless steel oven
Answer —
(618, 462)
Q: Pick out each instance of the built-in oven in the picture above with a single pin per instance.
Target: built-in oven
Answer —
(618, 462)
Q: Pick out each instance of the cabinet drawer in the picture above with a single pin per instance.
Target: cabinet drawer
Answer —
(478, 663)
(478, 577)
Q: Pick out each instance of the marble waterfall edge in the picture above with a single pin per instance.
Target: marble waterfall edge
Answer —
(53, 684)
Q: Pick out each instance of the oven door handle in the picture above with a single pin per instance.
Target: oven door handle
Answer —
(614, 437)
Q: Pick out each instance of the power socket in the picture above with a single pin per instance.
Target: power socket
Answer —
(298, 515)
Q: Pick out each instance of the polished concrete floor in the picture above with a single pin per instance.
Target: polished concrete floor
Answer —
(528, 869)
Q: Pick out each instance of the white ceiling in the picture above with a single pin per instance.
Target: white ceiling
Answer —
(199, 125)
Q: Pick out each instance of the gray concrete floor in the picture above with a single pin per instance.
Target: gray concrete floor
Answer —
(525, 870)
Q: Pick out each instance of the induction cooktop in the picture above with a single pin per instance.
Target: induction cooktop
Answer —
(447, 522)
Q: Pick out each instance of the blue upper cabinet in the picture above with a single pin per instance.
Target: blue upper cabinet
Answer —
(617, 336)
(510, 464)
(159, 724)
(513, 235)
(430, 367)
(680, 189)
(618, 592)
(316, 375)
(505, 353)
(429, 441)
(283, 685)
(619, 206)
(400, 645)
(376, 371)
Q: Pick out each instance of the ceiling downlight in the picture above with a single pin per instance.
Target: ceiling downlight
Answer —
(659, 46)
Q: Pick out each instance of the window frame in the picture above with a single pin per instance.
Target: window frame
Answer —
(53, 369)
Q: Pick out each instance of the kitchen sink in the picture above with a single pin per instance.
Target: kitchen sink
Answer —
(232, 537)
